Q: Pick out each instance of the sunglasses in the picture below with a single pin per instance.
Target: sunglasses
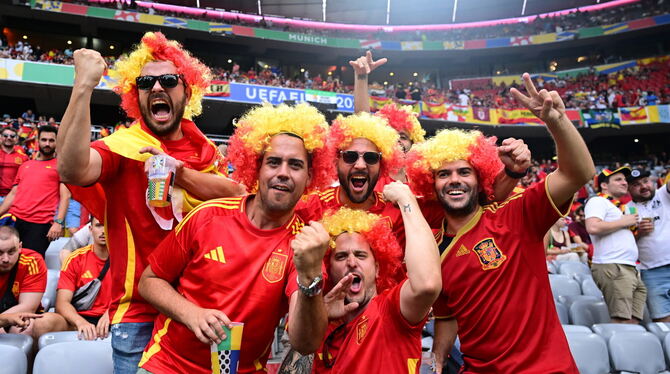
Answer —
(12, 136)
(146, 82)
(370, 158)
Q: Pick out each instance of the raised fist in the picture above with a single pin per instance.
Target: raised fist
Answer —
(89, 66)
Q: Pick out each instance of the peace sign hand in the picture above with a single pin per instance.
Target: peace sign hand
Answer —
(545, 105)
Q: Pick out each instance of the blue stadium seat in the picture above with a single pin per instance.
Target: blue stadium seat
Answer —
(660, 329)
(636, 352)
(567, 300)
(562, 312)
(666, 349)
(607, 330)
(562, 284)
(588, 312)
(49, 297)
(551, 268)
(20, 341)
(57, 337)
(576, 328)
(581, 277)
(590, 288)
(75, 357)
(14, 361)
(589, 351)
(571, 268)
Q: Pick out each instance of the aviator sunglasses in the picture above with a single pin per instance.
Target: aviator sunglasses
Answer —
(146, 82)
(370, 158)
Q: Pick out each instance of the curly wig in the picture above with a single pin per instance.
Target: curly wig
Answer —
(401, 118)
(448, 146)
(376, 129)
(257, 127)
(154, 46)
(379, 236)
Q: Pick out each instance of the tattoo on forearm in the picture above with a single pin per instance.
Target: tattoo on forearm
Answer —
(295, 363)
(362, 76)
(406, 208)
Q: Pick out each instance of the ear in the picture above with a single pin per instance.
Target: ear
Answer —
(188, 92)
(376, 269)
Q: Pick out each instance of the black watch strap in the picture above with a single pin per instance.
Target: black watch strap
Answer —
(515, 175)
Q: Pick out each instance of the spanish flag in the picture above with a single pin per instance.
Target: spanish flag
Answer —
(127, 143)
(377, 103)
(433, 110)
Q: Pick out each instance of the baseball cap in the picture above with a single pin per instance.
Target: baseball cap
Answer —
(636, 174)
(607, 172)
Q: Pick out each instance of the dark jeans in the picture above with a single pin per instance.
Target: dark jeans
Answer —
(33, 235)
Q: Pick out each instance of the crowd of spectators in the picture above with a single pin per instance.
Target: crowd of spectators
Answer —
(641, 85)
(540, 25)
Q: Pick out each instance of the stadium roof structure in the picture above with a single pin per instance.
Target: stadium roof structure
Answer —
(392, 12)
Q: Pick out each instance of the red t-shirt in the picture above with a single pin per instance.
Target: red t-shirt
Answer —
(81, 267)
(38, 191)
(312, 208)
(31, 276)
(9, 167)
(132, 231)
(379, 340)
(218, 259)
(495, 284)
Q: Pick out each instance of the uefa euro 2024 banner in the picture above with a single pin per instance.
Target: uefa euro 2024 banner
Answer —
(255, 94)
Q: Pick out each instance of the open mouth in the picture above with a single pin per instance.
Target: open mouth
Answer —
(356, 284)
(358, 182)
(160, 110)
(281, 188)
(457, 192)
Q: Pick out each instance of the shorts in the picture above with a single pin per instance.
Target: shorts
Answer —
(624, 291)
(657, 281)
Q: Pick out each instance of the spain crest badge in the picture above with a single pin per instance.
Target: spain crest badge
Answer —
(273, 270)
(490, 256)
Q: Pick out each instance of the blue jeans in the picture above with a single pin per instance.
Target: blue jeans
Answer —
(128, 343)
(657, 281)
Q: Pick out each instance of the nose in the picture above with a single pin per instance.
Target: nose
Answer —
(452, 178)
(157, 87)
(283, 171)
(360, 163)
(351, 261)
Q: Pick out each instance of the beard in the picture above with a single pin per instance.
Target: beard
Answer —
(47, 151)
(177, 110)
(357, 199)
(279, 202)
(468, 208)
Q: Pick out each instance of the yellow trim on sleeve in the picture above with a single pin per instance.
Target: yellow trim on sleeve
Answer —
(412, 363)
(220, 203)
(155, 346)
(551, 201)
(129, 284)
(74, 254)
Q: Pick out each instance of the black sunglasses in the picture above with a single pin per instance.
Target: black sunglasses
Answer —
(370, 158)
(146, 82)
(9, 136)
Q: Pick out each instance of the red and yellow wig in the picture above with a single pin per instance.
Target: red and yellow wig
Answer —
(257, 127)
(401, 118)
(365, 125)
(379, 236)
(156, 47)
(448, 146)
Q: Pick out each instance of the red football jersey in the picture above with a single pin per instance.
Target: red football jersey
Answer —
(379, 340)
(495, 284)
(31, 276)
(38, 191)
(132, 232)
(313, 206)
(219, 260)
(9, 167)
(81, 267)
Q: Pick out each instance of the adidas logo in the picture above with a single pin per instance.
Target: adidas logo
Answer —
(216, 255)
(462, 251)
(87, 274)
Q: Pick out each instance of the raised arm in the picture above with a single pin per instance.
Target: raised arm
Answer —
(77, 163)
(575, 165)
(307, 317)
(363, 66)
(422, 258)
(515, 155)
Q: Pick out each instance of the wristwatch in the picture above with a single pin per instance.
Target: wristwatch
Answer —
(59, 221)
(313, 289)
(515, 175)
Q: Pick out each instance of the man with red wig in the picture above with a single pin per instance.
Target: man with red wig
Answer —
(161, 86)
(247, 259)
(496, 291)
(374, 307)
